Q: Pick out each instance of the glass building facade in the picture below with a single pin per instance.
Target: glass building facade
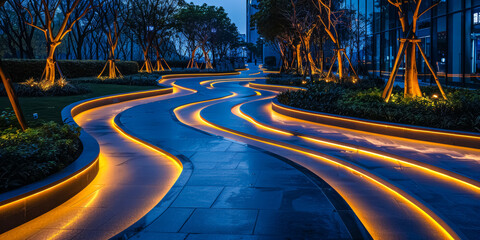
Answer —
(449, 33)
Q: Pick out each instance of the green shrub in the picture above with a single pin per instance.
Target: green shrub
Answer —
(7, 120)
(139, 79)
(21, 70)
(460, 112)
(26, 157)
(45, 88)
(285, 79)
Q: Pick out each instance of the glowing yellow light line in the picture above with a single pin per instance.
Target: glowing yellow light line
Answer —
(377, 124)
(144, 144)
(254, 74)
(383, 185)
(450, 234)
(72, 178)
(419, 209)
(258, 85)
(195, 103)
(213, 83)
(119, 95)
(229, 80)
(195, 75)
(184, 88)
(393, 159)
(237, 111)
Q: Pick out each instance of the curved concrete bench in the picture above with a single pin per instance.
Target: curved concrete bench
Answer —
(26, 203)
(456, 138)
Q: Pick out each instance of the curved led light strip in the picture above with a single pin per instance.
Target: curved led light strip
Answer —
(377, 124)
(424, 211)
(145, 144)
(280, 87)
(439, 172)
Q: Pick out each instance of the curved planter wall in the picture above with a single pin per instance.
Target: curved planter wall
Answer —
(26, 203)
(457, 138)
(276, 88)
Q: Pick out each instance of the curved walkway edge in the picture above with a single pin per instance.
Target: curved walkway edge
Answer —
(456, 138)
(450, 137)
(26, 203)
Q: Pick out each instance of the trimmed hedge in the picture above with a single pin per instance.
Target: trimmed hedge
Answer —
(173, 64)
(22, 70)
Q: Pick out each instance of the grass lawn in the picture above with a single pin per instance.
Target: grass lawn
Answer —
(49, 108)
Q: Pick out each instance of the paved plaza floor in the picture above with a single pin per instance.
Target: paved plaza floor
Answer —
(250, 173)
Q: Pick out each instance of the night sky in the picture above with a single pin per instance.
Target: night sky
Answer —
(236, 10)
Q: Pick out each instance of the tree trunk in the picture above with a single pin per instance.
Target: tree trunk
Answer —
(412, 89)
(192, 60)
(79, 53)
(50, 67)
(148, 64)
(299, 59)
(208, 64)
(340, 64)
(13, 100)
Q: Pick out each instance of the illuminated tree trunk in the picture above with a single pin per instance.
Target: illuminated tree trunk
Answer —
(299, 59)
(148, 64)
(310, 60)
(48, 11)
(13, 100)
(411, 88)
(340, 63)
(159, 65)
(283, 56)
(192, 64)
(208, 64)
(408, 48)
(50, 68)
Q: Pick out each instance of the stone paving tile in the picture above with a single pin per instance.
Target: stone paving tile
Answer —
(230, 184)
(250, 198)
(172, 220)
(223, 178)
(226, 221)
(197, 196)
(161, 236)
(282, 178)
(220, 237)
(313, 225)
(305, 200)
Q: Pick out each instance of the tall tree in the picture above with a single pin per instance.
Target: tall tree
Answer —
(47, 11)
(112, 26)
(304, 22)
(408, 14)
(331, 19)
(206, 28)
(149, 17)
